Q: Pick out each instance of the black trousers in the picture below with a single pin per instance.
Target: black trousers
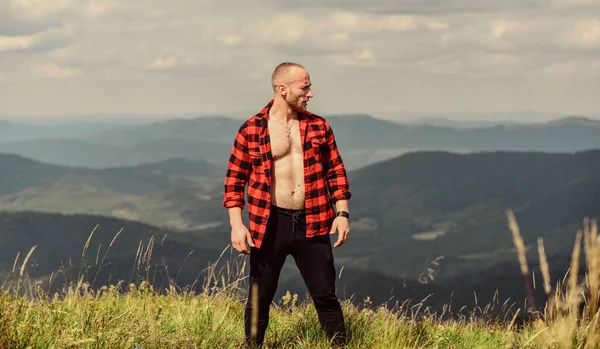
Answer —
(285, 235)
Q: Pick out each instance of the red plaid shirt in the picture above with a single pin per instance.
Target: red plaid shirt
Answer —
(250, 166)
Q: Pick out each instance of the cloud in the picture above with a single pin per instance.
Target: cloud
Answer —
(212, 43)
(15, 43)
(10, 26)
(53, 71)
(429, 7)
(36, 9)
(585, 34)
(43, 41)
(96, 8)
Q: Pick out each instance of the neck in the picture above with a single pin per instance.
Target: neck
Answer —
(282, 111)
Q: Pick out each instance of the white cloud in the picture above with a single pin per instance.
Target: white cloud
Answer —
(184, 44)
(42, 41)
(96, 8)
(15, 43)
(361, 22)
(358, 58)
(586, 33)
(34, 9)
(501, 27)
(53, 71)
(562, 69)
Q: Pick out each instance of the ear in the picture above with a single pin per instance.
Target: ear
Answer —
(282, 89)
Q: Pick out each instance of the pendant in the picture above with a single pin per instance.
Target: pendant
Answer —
(288, 132)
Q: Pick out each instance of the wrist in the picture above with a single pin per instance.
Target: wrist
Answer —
(235, 222)
(343, 213)
(235, 216)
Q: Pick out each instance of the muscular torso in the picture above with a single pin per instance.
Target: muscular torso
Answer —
(287, 185)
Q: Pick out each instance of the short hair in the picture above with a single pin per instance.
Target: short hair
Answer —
(282, 71)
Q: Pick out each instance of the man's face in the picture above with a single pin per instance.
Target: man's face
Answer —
(299, 91)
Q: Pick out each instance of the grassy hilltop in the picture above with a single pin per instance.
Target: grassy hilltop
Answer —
(138, 315)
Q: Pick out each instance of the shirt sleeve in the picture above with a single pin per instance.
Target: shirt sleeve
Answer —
(238, 171)
(335, 171)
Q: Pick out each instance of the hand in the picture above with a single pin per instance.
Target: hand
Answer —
(341, 225)
(239, 236)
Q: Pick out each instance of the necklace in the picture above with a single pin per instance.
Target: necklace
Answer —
(288, 131)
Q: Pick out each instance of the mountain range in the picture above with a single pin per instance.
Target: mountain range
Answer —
(429, 203)
(407, 212)
(176, 193)
(363, 139)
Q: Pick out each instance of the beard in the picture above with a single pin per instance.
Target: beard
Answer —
(296, 103)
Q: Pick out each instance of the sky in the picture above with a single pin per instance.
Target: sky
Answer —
(143, 57)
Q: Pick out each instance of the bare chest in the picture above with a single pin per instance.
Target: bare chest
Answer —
(283, 144)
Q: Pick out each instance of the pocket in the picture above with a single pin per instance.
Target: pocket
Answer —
(318, 144)
(318, 139)
(255, 159)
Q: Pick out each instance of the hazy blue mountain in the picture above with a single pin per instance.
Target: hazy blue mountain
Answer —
(213, 129)
(461, 124)
(526, 116)
(363, 140)
(551, 137)
(176, 193)
(419, 206)
(82, 153)
(11, 131)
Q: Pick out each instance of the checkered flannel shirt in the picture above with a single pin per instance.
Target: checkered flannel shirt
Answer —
(250, 166)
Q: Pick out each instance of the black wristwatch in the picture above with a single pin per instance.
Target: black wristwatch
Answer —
(343, 214)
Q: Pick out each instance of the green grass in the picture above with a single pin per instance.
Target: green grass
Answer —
(138, 316)
(130, 317)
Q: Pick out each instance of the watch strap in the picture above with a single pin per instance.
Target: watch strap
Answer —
(343, 214)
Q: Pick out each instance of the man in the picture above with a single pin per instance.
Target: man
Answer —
(288, 159)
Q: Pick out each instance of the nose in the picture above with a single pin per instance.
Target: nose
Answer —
(310, 93)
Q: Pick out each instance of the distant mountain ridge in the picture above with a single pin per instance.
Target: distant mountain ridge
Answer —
(175, 193)
(83, 153)
(11, 131)
(363, 140)
(211, 129)
(406, 212)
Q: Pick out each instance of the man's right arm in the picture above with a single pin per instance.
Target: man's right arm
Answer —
(238, 172)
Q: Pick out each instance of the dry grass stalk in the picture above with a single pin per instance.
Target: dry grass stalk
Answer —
(87, 243)
(573, 288)
(518, 241)
(22, 271)
(15, 263)
(544, 267)
(254, 323)
(572, 316)
(520, 245)
(105, 254)
(592, 249)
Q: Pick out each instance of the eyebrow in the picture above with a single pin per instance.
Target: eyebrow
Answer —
(303, 82)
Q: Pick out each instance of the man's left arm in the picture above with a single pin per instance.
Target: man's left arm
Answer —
(337, 184)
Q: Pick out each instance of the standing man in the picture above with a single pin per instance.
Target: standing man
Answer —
(288, 159)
